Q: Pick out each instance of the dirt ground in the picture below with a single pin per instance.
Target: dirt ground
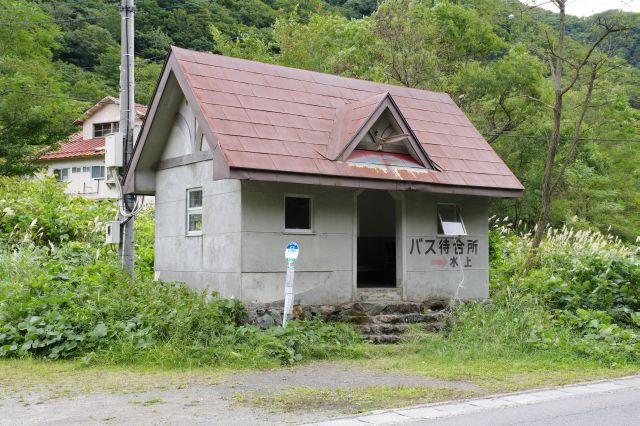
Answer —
(199, 402)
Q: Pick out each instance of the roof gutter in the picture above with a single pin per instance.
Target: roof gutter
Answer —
(380, 184)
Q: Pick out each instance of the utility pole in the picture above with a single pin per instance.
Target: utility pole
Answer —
(127, 114)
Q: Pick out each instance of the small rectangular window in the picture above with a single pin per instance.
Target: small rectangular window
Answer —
(86, 169)
(103, 129)
(194, 211)
(449, 220)
(61, 175)
(76, 169)
(297, 213)
(97, 172)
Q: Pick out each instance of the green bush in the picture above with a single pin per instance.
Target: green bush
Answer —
(582, 297)
(64, 295)
(72, 303)
(39, 210)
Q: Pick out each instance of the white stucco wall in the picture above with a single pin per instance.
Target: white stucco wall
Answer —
(324, 268)
(82, 183)
(435, 275)
(108, 113)
(240, 252)
(211, 260)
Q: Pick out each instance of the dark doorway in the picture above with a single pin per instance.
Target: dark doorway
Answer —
(376, 250)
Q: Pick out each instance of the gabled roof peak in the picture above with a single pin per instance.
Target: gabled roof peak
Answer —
(374, 124)
(141, 110)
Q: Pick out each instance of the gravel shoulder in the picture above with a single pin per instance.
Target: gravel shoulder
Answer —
(195, 399)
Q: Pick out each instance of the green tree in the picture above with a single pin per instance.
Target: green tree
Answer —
(153, 44)
(83, 46)
(330, 44)
(425, 44)
(146, 74)
(558, 64)
(82, 83)
(34, 113)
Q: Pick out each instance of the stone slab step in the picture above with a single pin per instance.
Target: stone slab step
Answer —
(384, 338)
(411, 318)
(376, 329)
(379, 294)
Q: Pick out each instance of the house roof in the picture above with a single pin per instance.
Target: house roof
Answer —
(270, 122)
(77, 147)
(141, 110)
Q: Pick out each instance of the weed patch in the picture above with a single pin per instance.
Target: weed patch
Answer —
(348, 401)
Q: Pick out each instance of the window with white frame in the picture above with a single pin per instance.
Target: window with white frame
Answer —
(449, 220)
(86, 169)
(76, 169)
(298, 213)
(61, 175)
(194, 211)
(104, 129)
(97, 172)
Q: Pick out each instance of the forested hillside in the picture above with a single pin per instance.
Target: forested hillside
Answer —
(57, 57)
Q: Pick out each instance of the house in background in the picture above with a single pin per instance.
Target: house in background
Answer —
(79, 161)
(386, 189)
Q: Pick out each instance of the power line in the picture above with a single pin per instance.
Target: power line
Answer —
(54, 21)
(57, 21)
(33, 12)
(47, 95)
(50, 3)
(512, 135)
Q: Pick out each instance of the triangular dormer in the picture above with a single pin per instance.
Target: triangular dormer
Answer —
(375, 125)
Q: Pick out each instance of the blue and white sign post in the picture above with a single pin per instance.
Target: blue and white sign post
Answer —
(290, 254)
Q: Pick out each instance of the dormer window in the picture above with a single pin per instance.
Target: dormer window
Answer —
(103, 129)
(385, 135)
(373, 131)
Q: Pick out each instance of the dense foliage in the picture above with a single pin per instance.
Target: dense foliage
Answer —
(29, 122)
(582, 297)
(63, 294)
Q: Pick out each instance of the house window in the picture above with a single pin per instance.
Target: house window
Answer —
(86, 169)
(76, 169)
(298, 213)
(97, 172)
(103, 129)
(194, 211)
(62, 175)
(449, 220)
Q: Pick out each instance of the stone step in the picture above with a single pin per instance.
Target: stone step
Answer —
(411, 318)
(397, 329)
(377, 329)
(379, 294)
(384, 338)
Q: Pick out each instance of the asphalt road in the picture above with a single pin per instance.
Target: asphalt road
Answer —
(606, 409)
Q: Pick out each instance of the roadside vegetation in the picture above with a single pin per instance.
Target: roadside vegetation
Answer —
(63, 296)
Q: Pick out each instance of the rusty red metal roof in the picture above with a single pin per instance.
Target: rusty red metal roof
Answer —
(271, 119)
(75, 146)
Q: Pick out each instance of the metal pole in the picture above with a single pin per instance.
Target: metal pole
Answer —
(288, 293)
(127, 112)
